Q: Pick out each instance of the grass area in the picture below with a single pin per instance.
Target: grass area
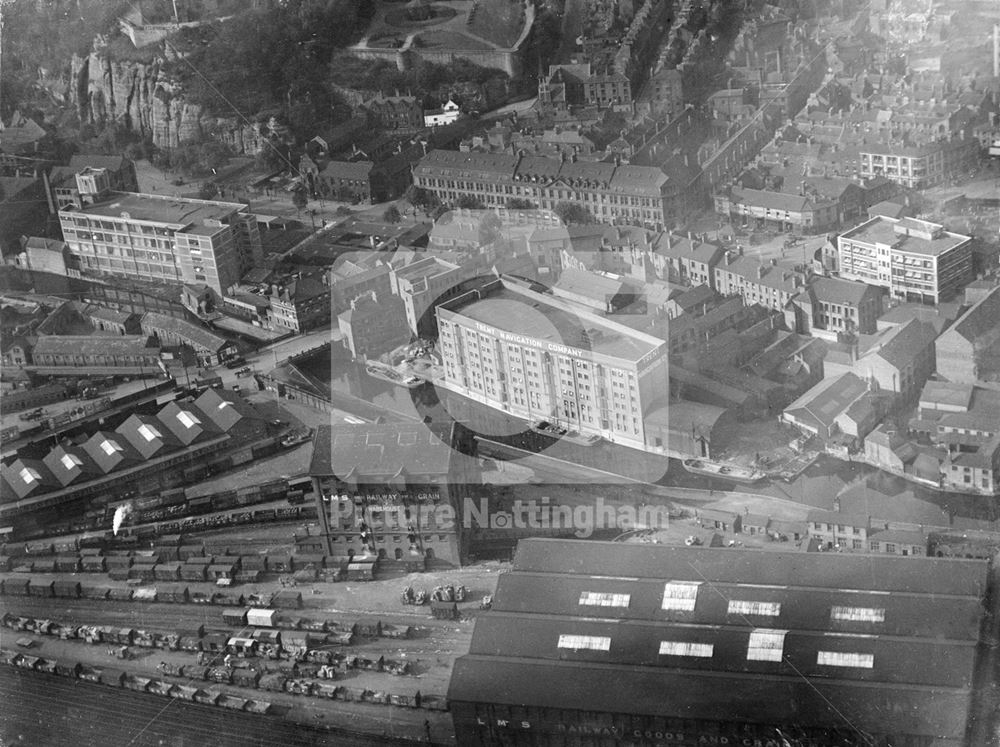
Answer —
(449, 40)
(498, 21)
(398, 17)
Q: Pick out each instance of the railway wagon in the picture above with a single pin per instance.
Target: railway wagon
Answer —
(66, 547)
(243, 677)
(43, 565)
(93, 563)
(67, 589)
(273, 682)
(236, 616)
(173, 593)
(184, 552)
(89, 591)
(14, 587)
(167, 571)
(280, 563)
(41, 588)
(138, 683)
(207, 697)
(228, 599)
(215, 643)
(112, 677)
(194, 572)
(240, 646)
(67, 563)
(287, 599)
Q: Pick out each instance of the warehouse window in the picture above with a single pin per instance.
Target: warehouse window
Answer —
(680, 595)
(858, 614)
(684, 648)
(768, 609)
(601, 599)
(845, 659)
(766, 645)
(581, 642)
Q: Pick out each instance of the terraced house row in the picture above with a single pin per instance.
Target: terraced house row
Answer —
(638, 195)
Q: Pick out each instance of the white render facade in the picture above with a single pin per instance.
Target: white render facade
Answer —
(527, 373)
(915, 260)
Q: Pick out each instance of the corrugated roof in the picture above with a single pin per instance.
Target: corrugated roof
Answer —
(841, 571)
(926, 661)
(598, 687)
(807, 609)
(877, 643)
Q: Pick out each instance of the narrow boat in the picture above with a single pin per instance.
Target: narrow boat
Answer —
(393, 377)
(730, 472)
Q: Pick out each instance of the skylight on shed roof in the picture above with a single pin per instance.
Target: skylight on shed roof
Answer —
(69, 461)
(680, 595)
(148, 432)
(110, 447)
(188, 420)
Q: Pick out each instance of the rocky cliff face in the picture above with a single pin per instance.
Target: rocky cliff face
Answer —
(141, 96)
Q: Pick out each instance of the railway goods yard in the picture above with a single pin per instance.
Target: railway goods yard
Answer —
(234, 618)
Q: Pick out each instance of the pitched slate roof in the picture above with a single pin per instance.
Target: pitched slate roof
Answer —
(110, 450)
(835, 290)
(147, 435)
(825, 401)
(358, 170)
(980, 321)
(906, 344)
(68, 463)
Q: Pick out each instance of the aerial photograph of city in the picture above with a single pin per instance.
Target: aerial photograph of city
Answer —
(598, 373)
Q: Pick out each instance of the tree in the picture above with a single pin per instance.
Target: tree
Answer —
(571, 212)
(299, 200)
(469, 202)
(420, 197)
(391, 215)
(275, 156)
(489, 228)
(519, 203)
